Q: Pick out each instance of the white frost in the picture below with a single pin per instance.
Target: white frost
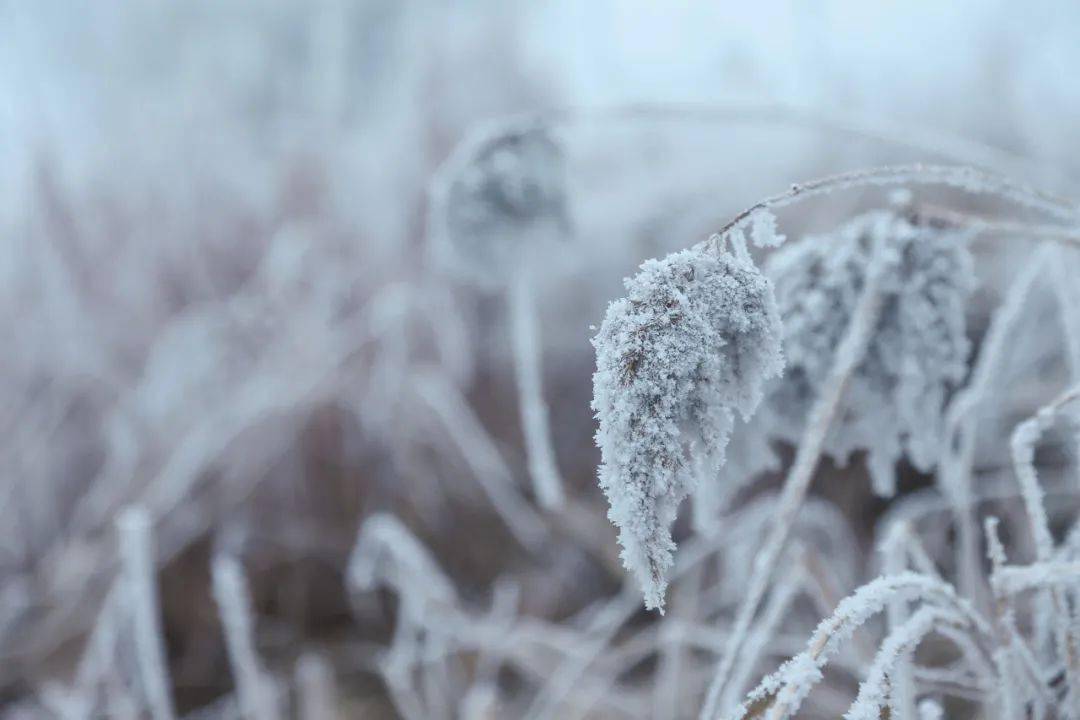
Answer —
(694, 339)
(919, 350)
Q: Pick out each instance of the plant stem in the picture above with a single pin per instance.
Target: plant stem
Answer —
(968, 179)
(534, 411)
(848, 355)
(137, 554)
(253, 687)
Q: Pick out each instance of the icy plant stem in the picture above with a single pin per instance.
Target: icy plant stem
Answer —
(895, 553)
(848, 355)
(787, 687)
(534, 411)
(961, 420)
(137, 554)
(962, 178)
(776, 609)
(671, 663)
(876, 691)
(597, 635)
(1024, 439)
(1012, 656)
(480, 452)
(1066, 268)
(100, 648)
(316, 689)
(234, 604)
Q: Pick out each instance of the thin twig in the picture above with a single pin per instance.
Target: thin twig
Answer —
(253, 686)
(535, 424)
(137, 554)
(968, 179)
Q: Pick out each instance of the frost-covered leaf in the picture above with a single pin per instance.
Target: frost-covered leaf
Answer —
(694, 340)
(916, 357)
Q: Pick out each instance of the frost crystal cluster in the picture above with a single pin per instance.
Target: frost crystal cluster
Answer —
(499, 194)
(918, 351)
(695, 338)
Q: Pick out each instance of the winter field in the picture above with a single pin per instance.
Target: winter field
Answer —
(557, 361)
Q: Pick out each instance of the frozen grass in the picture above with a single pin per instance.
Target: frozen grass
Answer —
(363, 370)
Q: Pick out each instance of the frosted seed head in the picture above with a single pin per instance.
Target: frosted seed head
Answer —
(693, 341)
(919, 349)
(501, 193)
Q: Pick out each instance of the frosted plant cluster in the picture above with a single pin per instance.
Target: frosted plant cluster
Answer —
(919, 348)
(295, 412)
(692, 342)
(873, 321)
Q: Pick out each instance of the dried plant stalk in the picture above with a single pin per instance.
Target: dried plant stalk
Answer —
(138, 557)
(525, 335)
(254, 687)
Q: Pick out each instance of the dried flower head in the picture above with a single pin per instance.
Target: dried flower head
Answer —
(694, 339)
(918, 352)
(499, 194)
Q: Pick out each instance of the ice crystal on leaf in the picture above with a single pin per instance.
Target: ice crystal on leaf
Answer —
(763, 230)
(694, 339)
(498, 195)
(919, 349)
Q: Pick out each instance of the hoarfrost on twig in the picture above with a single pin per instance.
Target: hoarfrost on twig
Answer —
(789, 685)
(874, 691)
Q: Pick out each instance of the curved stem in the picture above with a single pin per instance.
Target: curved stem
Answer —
(789, 684)
(534, 411)
(1066, 269)
(893, 662)
(1022, 444)
(971, 180)
(1023, 441)
(961, 425)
